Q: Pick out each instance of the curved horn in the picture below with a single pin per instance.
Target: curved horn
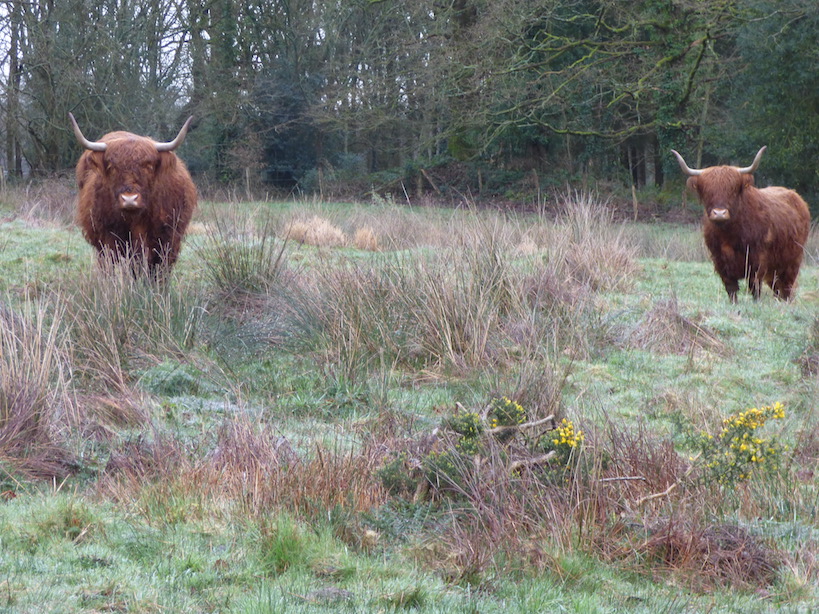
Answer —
(755, 163)
(171, 145)
(688, 171)
(92, 145)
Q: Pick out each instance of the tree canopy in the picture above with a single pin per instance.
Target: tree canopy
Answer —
(312, 96)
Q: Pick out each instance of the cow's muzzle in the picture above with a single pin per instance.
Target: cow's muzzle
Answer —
(719, 215)
(130, 201)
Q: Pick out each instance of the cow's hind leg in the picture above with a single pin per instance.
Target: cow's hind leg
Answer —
(784, 283)
(731, 287)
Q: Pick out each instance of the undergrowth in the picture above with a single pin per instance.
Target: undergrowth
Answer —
(491, 402)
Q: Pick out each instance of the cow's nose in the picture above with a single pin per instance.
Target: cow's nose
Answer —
(719, 215)
(130, 201)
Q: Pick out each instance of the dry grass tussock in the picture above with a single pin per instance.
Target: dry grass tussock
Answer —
(37, 408)
(366, 239)
(664, 330)
(719, 555)
(242, 256)
(321, 232)
(51, 200)
(468, 306)
(597, 250)
(389, 228)
(251, 466)
(400, 228)
(316, 231)
(431, 313)
(118, 323)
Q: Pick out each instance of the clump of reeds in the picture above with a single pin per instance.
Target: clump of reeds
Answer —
(37, 407)
(242, 256)
(599, 251)
(119, 322)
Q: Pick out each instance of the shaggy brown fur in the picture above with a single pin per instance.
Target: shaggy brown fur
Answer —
(752, 233)
(135, 201)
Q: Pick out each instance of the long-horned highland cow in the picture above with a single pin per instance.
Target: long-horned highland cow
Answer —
(136, 198)
(757, 234)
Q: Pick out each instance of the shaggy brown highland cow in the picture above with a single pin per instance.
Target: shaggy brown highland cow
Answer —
(136, 198)
(752, 233)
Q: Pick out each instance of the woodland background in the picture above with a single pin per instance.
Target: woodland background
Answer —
(500, 99)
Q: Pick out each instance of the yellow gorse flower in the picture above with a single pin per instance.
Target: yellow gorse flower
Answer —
(505, 412)
(737, 449)
(565, 435)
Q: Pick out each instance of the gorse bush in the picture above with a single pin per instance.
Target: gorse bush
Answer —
(737, 451)
(505, 412)
(467, 424)
(566, 441)
(455, 453)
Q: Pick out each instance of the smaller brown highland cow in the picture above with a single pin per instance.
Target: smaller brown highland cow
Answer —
(136, 198)
(752, 233)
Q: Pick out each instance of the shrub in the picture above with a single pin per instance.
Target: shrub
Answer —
(738, 450)
(566, 441)
(396, 475)
(504, 412)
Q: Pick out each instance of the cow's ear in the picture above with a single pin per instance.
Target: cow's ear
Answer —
(165, 162)
(692, 184)
(96, 160)
(747, 181)
(90, 162)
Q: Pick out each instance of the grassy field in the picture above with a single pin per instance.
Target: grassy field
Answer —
(378, 408)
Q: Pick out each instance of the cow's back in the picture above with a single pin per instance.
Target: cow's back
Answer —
(787, 213)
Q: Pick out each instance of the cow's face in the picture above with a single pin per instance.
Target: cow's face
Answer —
(130, 166)
(720, 190)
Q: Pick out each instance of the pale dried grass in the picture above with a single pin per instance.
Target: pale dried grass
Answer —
(317, 231)
(51, 200)
(665, 330)
(366, 239)
(253, 466)
(37, 408)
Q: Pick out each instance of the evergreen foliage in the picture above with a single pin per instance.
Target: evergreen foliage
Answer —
(500, 98)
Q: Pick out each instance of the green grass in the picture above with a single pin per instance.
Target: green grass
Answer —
(62, 554)
(215, 445)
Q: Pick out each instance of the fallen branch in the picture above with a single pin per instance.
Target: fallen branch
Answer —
(625, 478)
(532, 462)
(431, 182)
(671, 488)
(520, 427)
(657, 495)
